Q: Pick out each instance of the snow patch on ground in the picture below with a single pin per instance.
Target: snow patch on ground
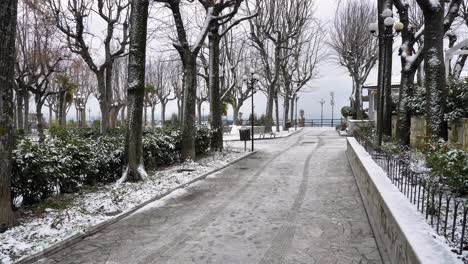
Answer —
(38, 232)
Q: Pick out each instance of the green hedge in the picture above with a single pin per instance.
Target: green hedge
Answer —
(73, 158)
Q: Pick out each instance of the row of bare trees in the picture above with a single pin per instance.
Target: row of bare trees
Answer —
(426, 24)
(97, 48)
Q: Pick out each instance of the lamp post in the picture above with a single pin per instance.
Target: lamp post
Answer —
(321, 111)
(384, 91)
(250, 81)
(79, 101)
(332, 103)
(295, 123)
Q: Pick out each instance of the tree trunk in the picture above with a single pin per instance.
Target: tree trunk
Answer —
(459, 65)
(40, 125)
(434, 69)
(61, 109)
(215, 97)
(145, 114)
(404, 110)
(122, 116)
(235, 110)
(188, 107)
(285, 111)
(293, 105)
(103, 103)
(136, 91)
(19, 110)
(153, 120)
(277, 113)
(27, 129)
(199, 110)
(83, 117)
(358, 101)
(163, 113)
(8, 12)
(51, 118)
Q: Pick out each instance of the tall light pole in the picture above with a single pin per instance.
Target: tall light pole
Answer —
(385, 89)
(79, 101)
(332, 103)
(254, 78)
(295, 124)
(321, 111)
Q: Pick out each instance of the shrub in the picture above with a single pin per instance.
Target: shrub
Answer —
(203, 139)
(448, 165)
(74, 158)
(457, 99)
(348, 111)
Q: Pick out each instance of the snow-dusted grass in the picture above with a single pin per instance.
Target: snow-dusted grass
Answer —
(35, 232)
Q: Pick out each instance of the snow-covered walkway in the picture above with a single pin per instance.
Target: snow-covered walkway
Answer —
(295, 201)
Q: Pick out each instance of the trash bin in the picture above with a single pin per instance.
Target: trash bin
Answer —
(244, 134)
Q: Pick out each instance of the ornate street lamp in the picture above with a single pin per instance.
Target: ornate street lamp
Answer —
(322, 101)
(332, 103)
(392, 29)
(295, 124)
(250, 81)
(80, 106)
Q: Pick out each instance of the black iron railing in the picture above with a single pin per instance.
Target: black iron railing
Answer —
(444, 210)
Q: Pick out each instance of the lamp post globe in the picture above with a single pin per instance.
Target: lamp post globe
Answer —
(389, 22)
(373, 27)
(387, 13)
(398, 26)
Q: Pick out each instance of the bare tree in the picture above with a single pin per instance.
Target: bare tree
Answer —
(411, 59)
(277, 23)
(119, 91)
(8, 13)
(235, 67)
(224, 11)
(38, 56)
(188, 54)
(301, 62)
(355, 51)
(71, 17)
(135, 170)
(84, 80)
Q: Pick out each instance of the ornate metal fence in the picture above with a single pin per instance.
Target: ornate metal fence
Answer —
(444, 210)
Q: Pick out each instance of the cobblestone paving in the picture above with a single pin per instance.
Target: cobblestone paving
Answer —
(295, 201)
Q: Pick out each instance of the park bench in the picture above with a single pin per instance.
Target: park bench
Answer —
(227, 129)
(260, 130)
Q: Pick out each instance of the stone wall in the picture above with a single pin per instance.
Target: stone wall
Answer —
(401, 232)
(458, 133)
(418, 132)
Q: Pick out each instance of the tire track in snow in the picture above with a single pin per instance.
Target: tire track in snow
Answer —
(165, 252)
(283, 239)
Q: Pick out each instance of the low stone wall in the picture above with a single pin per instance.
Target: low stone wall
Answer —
(458, 133)
(418, 132)
(354, 125)
(401, 232)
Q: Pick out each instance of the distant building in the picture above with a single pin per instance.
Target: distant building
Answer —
(372, 98)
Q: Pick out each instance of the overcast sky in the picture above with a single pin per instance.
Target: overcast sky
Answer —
(332, 78)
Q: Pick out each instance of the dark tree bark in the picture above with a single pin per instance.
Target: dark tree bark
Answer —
(71, 19)
(215, 98)
(435, 26)
(411, 64)
(188, 53)
(136, 91)
(8, 13)
(385, 78)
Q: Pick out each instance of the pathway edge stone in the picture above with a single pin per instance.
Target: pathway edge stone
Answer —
(99, 227)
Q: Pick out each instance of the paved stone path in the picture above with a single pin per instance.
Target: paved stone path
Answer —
(295, 201)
